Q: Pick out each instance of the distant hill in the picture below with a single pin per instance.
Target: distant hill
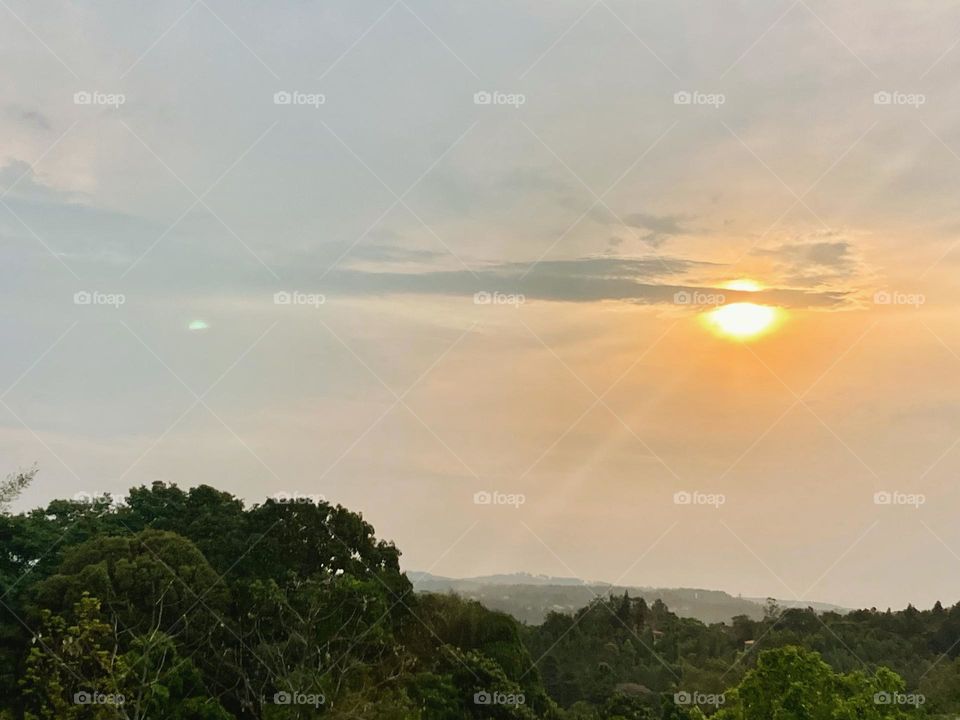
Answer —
(530, 597)
(518, 578)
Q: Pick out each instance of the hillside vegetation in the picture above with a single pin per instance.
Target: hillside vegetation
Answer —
(529, 598)
(189, 605)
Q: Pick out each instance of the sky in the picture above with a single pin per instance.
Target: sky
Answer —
(449, 263)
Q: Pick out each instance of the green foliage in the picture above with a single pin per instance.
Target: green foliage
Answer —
(791, 683)
(193, 606)
(941, 687)
(67, 661)
(436, 696)
(614, 644)
(154, 580)
(78, 671)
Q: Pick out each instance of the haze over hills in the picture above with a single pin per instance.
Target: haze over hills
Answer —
(529, 597)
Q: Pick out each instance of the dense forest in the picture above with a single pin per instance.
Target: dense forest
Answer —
(189, 605)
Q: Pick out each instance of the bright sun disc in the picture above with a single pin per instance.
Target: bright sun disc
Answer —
(742, 320)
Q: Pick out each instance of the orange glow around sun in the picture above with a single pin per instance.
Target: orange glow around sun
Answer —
(743, 284)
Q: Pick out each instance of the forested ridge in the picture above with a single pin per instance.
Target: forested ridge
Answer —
(190, 605)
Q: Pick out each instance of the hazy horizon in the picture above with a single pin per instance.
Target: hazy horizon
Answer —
(597, 582)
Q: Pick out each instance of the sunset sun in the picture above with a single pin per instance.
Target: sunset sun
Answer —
(743, 320)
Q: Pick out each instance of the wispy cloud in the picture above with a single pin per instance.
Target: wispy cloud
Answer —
(826, 259)
(659, 228)
(653, 280)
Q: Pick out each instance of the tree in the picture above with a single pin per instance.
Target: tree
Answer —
(152, 581)
(69, 663)
(791, 683)
(78, 671)
(941, 688)
(13, 485)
